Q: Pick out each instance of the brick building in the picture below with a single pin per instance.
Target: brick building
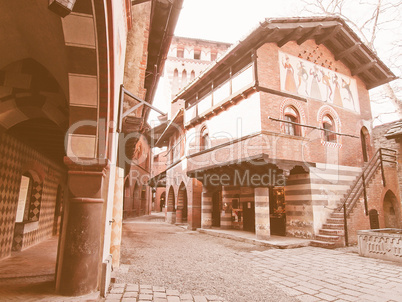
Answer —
(65, 149)
(186, 59)
(272, 135)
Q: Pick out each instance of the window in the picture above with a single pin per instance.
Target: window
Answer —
(329, 125)
(180, 53)
(197, 54)
(292, 116)
(204, 139)
(29, 199)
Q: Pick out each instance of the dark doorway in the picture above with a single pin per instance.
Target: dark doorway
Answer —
(248, 216)
(216, 208)
(277, 211)
(374, 223)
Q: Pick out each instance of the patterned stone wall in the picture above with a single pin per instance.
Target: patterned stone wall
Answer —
(16, 159)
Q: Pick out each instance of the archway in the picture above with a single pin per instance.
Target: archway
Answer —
(365, 141)
(182, 210)
(390, 207)
(171, 207)
(127, 199)
(136, 201)
(162, 201)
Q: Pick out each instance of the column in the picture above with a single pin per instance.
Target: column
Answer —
(80, 245)
(262, 224)
(228, 193)
(206, 208)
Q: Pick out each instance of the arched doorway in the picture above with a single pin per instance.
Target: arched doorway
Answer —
(365, 141)
(162, 201)
(171, 207)
(181, 213)
(390, 210)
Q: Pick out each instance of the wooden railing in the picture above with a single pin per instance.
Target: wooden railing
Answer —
(359, 187)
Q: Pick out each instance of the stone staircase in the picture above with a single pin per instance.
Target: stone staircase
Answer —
(332, 233)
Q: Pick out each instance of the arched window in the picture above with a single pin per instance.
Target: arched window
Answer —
(192, 75)
(291, 115)
(184, 78)
(328, 124)
(204, 139)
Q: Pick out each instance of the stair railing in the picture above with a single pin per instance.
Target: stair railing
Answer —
(359, 187)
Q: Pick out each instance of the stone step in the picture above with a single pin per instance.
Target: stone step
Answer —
(327, 238)
(331, 232)
(323, 244)
(335, 220)
(337, 215)
(333, 226)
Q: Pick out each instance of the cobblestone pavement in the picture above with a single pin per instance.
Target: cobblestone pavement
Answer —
(146, 293)
(315, 274)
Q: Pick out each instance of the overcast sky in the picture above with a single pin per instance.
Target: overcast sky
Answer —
(231, 20)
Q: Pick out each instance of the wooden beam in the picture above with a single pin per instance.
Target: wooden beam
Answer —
(290, 36)
(363, 67)
(309, 34)
(271, 33)
(324, 37)
(347, 51)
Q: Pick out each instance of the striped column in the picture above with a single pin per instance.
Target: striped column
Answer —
(206, 208)
(228, 193)
(262, 224)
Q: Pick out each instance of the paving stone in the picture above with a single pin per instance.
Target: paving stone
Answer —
(307, 298)
(145, 297)
(117, 290)
(129, 300)
(115, 285)
(186, 297)
(146, 291)
(306, 290)
(160, 295)
(145, 286)
(173, 299)
(130, 295)
(325, 297)
(159, 300)
(114, 296)
(132, 288)
(172, 292)
(158, 289)
(200, 299)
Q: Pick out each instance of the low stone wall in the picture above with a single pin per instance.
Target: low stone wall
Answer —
(385, 244)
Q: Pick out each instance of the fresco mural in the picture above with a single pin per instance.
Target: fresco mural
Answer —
(304, 78)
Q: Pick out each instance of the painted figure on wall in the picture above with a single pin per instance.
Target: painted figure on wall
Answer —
(326, 82)
(290, 84)
(337, 91)
(317, 82)
(315, 89)
(302, 77)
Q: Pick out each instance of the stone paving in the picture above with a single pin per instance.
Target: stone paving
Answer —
(147, 293)
(315, 274)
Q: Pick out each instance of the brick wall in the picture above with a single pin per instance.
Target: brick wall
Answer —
(380, 141)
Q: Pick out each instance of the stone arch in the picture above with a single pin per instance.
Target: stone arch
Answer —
(88, 54)
(162, 200)
(136, 199)
(329, 111)
(391, 210)
(182, 204)
(171, 206)
(295, 104)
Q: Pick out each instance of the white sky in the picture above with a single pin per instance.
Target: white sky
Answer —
(229, 21)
